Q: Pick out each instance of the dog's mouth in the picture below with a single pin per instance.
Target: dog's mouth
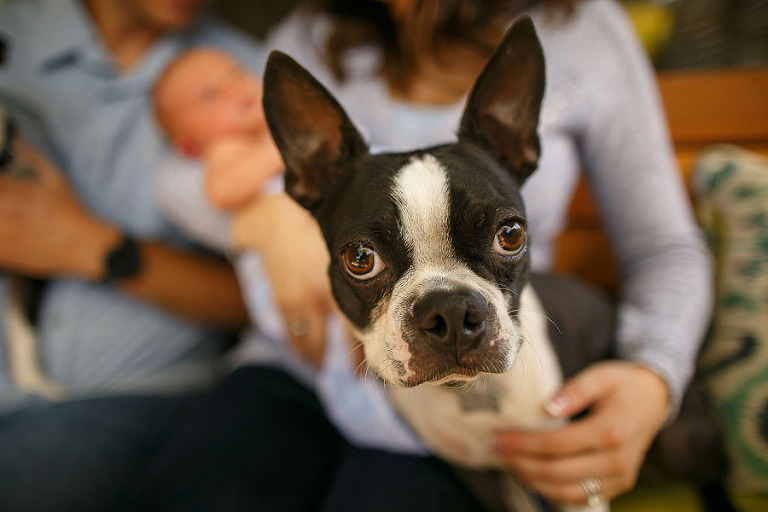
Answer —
(455, 377)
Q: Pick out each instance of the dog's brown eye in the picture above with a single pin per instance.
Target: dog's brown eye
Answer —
(510, 239)
(361, 261)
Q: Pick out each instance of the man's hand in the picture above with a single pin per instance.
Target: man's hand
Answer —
(45, 230)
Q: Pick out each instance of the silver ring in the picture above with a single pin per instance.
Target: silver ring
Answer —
(298, 327)
(592, 486)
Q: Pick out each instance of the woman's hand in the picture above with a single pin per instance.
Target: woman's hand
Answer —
(296, 259)
(44, 228)
(628, 404)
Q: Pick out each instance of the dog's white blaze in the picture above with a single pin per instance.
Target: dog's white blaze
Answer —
(421, 195)
(420, 192)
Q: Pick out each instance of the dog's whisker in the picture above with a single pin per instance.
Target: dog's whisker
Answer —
(541, 313)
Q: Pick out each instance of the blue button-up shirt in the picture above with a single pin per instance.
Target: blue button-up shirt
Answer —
(96, 123)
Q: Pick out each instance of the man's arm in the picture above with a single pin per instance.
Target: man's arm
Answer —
(47, 232)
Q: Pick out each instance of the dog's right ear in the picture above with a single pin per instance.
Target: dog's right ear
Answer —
(502, 112)
(313, 133)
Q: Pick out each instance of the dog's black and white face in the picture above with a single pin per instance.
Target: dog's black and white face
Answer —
(429, 250)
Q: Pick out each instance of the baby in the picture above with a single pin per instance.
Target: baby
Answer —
(210, 108)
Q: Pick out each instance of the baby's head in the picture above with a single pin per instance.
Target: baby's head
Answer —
(205, 94)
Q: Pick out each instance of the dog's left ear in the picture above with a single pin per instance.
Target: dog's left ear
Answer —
(313, 133)
(502, 111)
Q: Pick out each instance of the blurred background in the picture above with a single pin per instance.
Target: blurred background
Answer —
(678, 34)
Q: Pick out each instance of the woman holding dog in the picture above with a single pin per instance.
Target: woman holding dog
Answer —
(401, 69)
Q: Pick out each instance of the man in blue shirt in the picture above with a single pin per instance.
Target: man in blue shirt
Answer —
(132, 318)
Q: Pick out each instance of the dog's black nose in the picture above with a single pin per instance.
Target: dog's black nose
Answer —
(452, 321)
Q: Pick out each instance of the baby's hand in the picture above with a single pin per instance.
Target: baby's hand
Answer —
(237, 167)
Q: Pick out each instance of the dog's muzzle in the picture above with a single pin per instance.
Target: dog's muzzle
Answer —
(453, 333)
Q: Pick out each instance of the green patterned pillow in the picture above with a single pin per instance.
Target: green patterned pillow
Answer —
(730, 186)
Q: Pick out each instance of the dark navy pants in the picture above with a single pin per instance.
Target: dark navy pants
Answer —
(261, 442)
(84, 455)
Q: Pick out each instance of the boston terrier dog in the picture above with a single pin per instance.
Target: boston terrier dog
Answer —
(430, 259)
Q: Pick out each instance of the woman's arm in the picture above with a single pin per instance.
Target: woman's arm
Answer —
(665, 281)
(665, 274)
(296, 259)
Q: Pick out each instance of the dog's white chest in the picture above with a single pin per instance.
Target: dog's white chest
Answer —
(458, 424)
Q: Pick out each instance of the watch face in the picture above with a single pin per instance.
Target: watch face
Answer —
(123, 261)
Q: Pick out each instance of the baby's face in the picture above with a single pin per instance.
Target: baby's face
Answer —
(208, 95)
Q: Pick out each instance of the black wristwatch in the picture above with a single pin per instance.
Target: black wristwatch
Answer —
(123, 261)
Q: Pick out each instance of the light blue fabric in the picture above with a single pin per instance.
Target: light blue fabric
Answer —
(97, 125)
